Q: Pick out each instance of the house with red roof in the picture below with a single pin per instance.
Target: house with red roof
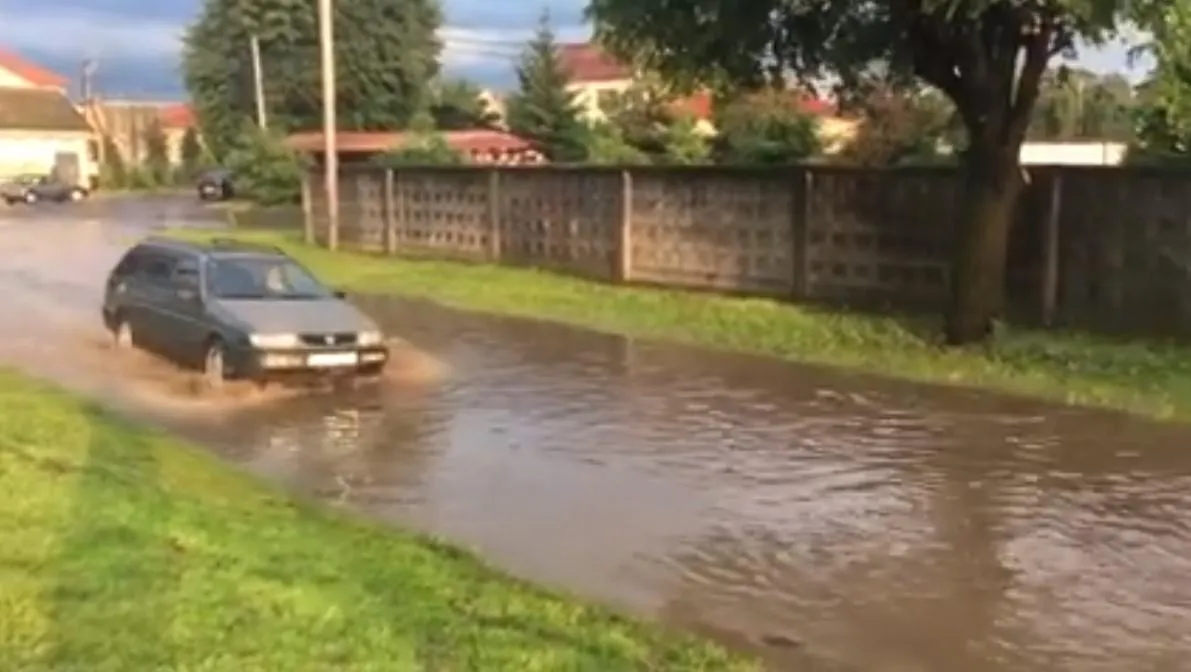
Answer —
(598, 79)
(127, 123)
(477, 146)
(41, 131)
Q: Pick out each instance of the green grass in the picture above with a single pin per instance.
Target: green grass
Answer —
(1140, 377)
(121, 549)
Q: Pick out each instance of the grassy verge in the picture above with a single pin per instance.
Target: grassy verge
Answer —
(1146, 378)
(124, 550)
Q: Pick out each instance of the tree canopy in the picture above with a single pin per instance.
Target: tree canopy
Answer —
(987, 56)
(1164, 117)
(1080, 105)
(456, 105)
(386, 53)
(765, 128)
(543, 109)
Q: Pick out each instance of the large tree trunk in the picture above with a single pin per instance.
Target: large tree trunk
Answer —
(993, 185)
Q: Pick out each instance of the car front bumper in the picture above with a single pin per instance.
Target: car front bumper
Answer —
(258, 363)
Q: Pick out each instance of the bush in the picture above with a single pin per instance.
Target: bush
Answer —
(424, 149)
(765, 128)
(266, 171)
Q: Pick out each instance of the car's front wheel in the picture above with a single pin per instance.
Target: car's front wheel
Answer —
(30, 197)
(77, 194)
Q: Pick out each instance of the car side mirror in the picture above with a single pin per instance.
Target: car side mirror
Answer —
(339, 293)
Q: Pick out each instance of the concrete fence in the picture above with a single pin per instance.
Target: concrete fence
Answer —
(1106, 249)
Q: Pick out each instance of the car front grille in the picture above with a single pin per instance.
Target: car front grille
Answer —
(328, 340)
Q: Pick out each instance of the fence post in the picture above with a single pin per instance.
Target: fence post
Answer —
(800, 223)
(1050, 249)
(494, 224)
(624, 242)
(390, 214)
(307, 210)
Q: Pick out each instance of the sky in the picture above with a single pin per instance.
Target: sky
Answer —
(136, 42)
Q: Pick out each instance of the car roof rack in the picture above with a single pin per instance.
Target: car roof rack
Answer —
(233, 244)
(217, 243)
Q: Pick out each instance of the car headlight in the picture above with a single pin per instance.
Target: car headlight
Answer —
(274, 340)
(370, 338)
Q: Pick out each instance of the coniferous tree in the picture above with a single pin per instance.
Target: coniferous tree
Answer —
(543, 110)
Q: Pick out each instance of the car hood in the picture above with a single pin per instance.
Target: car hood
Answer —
(279, 316)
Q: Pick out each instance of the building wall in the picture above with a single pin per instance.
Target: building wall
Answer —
(126, 124)
(36, 152)
(10, 80)
(1074, 153)
(588, 95)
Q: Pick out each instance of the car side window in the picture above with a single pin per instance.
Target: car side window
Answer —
(185, 274)
(157, 269)
(129, 266)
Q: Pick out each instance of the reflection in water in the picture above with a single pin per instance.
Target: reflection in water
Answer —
(859, 524)
(827, 521)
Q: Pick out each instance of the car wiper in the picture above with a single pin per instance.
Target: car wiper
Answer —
(300, 297)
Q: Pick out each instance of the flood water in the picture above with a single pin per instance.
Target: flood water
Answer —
(824, 521)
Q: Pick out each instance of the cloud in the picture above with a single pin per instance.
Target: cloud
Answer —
(82, 33)
(137, 49)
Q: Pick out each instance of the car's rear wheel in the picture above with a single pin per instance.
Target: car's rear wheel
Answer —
(214, 365)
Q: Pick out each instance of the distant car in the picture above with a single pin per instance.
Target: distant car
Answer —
(34, 188)
(237, 311)
(216, 185)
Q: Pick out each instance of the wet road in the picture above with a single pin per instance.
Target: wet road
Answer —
(828, 522)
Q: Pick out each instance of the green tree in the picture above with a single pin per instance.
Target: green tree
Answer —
(386, 52)
(426, 146)
(113, 174)
(898, 127)
(157, 154)
(607, 145)
(543, 109)
(647, 120)
(683, 144)
(1081, 105)
(1163, 114)
(457, 105)
(267, 171)
(764, 128)
(191, 152)
(986, 56)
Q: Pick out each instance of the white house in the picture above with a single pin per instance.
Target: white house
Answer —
(41, 131)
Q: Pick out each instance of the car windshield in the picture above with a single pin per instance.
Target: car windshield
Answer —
(257, 278)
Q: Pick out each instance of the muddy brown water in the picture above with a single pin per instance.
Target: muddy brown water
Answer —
(824, 521)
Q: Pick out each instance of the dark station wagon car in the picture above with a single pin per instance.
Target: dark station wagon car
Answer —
(237, 311)
(31, 189)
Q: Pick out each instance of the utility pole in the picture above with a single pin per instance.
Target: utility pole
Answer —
(326, 43)
(258, 81)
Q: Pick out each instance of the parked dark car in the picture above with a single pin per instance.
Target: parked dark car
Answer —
(216, 185)
(34, 188)
(237, 311)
